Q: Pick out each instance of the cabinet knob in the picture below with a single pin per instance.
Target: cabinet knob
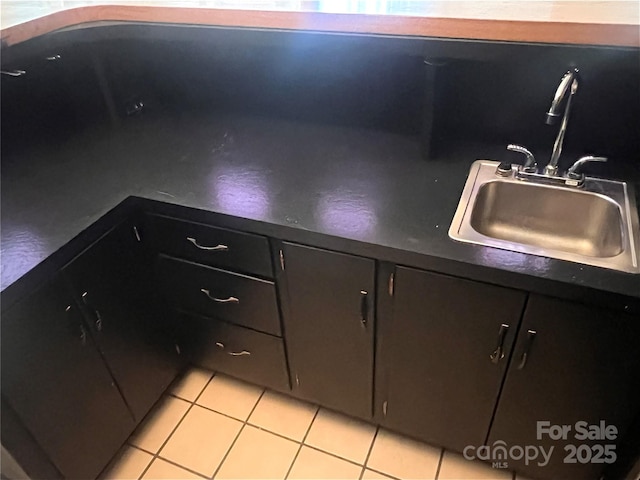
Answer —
(498, 353)
(217, 248)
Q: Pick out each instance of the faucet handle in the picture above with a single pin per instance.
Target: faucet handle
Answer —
(574, 171)
(530, 165)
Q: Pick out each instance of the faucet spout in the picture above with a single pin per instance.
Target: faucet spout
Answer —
(569, 83)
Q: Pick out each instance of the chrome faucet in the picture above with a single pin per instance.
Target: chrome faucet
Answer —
(573, 177)
(569, 83)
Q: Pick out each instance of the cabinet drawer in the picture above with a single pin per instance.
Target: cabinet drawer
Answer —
(215, 293)
(252, 356)
(243, 252)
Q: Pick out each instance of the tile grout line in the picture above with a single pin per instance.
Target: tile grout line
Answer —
(248, 423)
(157, 454)
(383, 473)
(353, 462)
(235, 418)
(279, 435)
(439, 464)
(182, 467)
(127, 444)
(366, 459)
(244, 424)
(273, 433)
(301, 444)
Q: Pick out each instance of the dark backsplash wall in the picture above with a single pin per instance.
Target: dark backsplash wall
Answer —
(505, 101)
(478, 91)
(308, 83)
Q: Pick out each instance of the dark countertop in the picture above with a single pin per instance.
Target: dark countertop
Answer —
(369, 186)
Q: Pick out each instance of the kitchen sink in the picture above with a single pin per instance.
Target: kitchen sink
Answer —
(593, 225)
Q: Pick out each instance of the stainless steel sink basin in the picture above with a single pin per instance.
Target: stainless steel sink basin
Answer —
(549, 218)
(595, 225)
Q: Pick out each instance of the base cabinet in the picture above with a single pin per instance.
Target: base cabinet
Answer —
(444, 353)
(126, 317)
(574, 368)
(54, 378)
(456, 363)
(238, 351)
(329, 323)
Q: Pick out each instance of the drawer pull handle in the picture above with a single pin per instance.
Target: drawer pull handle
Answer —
(13, 73)
(531, 334)
(219, 300)
(233, 354)
(83, 336)
(239, 354)
(217, 248)
(364, 307)
(498, 353)
(96, 312)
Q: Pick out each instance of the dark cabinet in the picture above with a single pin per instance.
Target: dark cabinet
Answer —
(329, 326)
(220, 294)
(443, 353)
(47, 97)
(208, 245)
(241, 352)
(126, 317)
(573, 366)
(55, 380)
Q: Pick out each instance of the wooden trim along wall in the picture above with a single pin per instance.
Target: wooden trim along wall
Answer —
(623, 35)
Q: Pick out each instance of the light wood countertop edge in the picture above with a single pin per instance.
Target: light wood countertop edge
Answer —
(497, 30)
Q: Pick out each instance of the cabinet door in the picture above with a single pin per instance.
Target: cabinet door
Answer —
(582, 365)
(329, 327)
(443, 373)
(55, 380)
(126, 317)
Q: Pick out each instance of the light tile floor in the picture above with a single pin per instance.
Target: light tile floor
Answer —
(213, 426)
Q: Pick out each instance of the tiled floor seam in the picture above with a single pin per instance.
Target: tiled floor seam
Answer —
(300, 443)
(272, 432)
(382, 473)
(366, 459)
(180, 466)
(238, 420)
(333, 455)
(244, 424)
(439, 463)
(157, 454)
(295, 457)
